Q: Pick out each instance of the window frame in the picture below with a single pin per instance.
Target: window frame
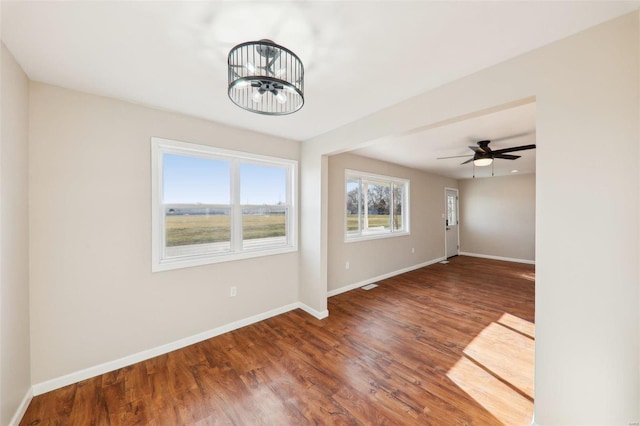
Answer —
(390, 180)
(160, 262)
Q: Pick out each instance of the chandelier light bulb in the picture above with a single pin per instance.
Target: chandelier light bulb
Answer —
(257, 96)
(242, 83)
(281, 97)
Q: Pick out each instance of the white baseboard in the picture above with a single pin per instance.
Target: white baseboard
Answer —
(506, 259)
(308, 309)
(382, 277)
(22, 408)
(106, 367)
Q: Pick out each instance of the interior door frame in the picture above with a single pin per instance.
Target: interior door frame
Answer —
(446, 251)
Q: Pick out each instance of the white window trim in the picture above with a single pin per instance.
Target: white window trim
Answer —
(383, 234)
(160, 146)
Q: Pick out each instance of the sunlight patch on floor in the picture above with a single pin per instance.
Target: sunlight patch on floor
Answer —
(497, 369)
(518, 324)
(500, 400)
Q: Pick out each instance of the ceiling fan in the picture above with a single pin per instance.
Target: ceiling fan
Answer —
(483, 155)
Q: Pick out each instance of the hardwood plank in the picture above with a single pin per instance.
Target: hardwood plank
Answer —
(439, 345)
(89, 406)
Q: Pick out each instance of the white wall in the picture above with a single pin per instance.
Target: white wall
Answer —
(94, 298)
(586, 89)
(373, 258)
(497, 216)
(15, 379)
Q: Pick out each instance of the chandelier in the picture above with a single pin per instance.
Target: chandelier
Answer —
(265, 78)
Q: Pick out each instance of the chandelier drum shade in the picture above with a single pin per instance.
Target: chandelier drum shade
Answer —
(265, 78)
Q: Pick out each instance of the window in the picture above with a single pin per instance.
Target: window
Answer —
(212, 205)
(376, 206)
(452, 209)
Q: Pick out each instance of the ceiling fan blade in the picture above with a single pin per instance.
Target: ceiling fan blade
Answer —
(506, 156)
(477, 150)
(468, 161)
(515, 148)
(455, 156)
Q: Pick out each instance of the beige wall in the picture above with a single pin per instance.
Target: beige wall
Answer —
(15, 378)
(94, 298)
(586, 90)
(373, 258)
(497, 216)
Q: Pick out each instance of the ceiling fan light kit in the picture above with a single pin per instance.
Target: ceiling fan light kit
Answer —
(481, 162)
(265, 78)
(484, 156)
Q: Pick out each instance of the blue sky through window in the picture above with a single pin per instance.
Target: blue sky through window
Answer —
(192, 180)
(262, 184)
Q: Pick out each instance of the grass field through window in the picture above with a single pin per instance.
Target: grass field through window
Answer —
(375, 220)
(203, 229)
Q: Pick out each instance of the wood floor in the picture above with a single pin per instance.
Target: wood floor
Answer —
(443, 345)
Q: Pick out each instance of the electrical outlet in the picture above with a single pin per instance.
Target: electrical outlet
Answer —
(233, 291)
(346, 265)
(413, 250)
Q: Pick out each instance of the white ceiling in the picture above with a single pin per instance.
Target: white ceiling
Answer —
(421, 149)
(359, 56)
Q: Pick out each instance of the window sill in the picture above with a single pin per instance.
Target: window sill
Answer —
(207, 259)
(375, 236)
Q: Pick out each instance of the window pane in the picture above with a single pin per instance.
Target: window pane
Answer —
(378, 204)
(195, 229)
(261, 184)
(264, 212)
(354, 205)
(191, 180)
(191, 228)
(398, 200)
(452, 217)
(264, 226)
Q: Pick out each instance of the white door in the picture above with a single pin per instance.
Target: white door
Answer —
(451, 222)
